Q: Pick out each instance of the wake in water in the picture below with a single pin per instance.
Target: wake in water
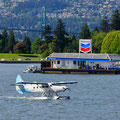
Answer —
(28, 98)
(36, 98)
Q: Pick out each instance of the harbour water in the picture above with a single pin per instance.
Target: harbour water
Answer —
(95, 97)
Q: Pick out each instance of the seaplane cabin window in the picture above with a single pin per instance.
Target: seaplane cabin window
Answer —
(33, 87)
(45, 86)
(58, 62)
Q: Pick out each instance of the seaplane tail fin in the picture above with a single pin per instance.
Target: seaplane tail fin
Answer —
(19, 88)
(19, 79)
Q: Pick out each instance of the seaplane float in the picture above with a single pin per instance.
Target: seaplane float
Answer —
(48, 90)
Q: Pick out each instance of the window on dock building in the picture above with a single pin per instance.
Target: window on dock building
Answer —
(58, 62)
(74, 62)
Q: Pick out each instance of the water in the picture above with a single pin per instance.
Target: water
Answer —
(95, 97)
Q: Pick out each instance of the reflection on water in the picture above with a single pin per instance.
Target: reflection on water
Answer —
(95, 97)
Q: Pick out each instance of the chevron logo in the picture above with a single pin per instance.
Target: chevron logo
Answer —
(85, 49)
(85, 45)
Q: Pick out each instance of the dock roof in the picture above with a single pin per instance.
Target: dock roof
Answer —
(84, 57)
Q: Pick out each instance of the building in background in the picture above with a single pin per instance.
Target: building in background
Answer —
(83, 61)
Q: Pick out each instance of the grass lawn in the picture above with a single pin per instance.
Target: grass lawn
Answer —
(8, 56)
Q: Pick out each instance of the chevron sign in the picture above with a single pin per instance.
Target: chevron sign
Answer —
(85, 45)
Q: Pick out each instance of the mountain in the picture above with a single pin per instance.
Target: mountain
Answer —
(26, 14)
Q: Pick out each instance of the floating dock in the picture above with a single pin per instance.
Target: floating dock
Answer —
(45, 68)
(79, 71)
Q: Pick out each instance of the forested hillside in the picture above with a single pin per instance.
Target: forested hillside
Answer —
(26, 14)
(106, 39)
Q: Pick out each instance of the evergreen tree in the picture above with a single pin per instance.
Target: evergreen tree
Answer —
(4, 34)
(74, 47)
(115, 24)
(4, 41)
(11, 41)
(27, 43)
(47, 33)
(0, 36)
(60, 33)
(96, 29)
(85, 33)
(75, 44)
(104, 26)
(1, 49)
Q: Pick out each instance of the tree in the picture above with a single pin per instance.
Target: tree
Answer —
(104, 26)
(111, 43)
(115, 24)
(11, 41)
(4, 34)
(43, 47)
(46, 53)
(97, 38)
(73, 45)
(96, 29)
(20, 48)
(85, 33)
(35, 45)
(47, 33)
(0, 36)
(27, 43)
(52, 45)
(4, 41)
(1, 48)
(60, 33)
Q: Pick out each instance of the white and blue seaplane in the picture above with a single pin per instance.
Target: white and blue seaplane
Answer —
(48, 90)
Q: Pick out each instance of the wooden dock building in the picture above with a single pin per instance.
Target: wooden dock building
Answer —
(83, 63)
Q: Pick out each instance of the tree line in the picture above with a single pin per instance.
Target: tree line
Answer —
(59, 41)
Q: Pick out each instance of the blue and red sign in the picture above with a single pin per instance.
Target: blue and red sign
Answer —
(85, 45)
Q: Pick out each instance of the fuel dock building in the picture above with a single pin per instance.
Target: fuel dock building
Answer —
(83, 61)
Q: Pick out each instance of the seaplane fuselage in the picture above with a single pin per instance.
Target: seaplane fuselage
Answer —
(40, 88)
(47, 89)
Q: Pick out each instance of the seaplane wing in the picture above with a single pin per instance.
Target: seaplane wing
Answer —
(32, 83)
(47, 89)
(19, 81)
(61, 83)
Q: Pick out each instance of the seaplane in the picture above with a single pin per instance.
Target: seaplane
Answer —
(48, 90)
